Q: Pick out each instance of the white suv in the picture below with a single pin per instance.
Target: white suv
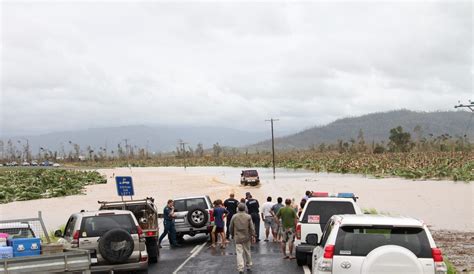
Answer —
(313, 219)
(113, 238)
(373, 244)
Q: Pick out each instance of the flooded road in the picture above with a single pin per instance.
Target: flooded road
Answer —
(441, 204)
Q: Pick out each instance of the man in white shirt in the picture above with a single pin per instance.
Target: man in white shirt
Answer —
(269, 221)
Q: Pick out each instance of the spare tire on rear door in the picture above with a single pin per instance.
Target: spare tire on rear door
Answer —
(116, 246)
(197, 217)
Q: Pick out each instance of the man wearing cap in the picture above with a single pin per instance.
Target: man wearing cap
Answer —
(231, 206)
(253, 210)
(242, 231)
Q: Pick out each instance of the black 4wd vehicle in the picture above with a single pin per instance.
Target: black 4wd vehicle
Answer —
(146, 214)
(249, 177)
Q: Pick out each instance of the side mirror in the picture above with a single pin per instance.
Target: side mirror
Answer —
(312, 239)
(58, 233)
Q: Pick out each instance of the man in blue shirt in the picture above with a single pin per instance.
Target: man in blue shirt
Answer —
(168, 221)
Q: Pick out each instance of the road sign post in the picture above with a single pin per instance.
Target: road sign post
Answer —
(124, 186)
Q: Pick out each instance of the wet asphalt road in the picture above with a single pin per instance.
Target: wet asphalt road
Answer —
(196, 256)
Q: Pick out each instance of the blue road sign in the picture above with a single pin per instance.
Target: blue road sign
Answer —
(124, 186)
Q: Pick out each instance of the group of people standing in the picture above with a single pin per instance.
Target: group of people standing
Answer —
(240, 220)
(243, 225)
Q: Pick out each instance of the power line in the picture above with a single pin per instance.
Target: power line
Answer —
(471, 107)
(273, 144)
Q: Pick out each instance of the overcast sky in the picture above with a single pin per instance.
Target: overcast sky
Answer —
(78, 65)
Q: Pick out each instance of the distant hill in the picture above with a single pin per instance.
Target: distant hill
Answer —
(159, 138)
(376, 127)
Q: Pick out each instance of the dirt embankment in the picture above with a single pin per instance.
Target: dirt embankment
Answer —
(457, 247)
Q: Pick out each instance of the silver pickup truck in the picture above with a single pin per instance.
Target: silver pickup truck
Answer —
(60, 262)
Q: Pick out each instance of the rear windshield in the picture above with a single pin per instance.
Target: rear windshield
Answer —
(185, 205)
(360, 241)
(18, 232)
(250, 173)
(96, 226)
(326, 209)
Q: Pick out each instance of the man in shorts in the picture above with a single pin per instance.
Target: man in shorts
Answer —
(274, 212)
(289, 220)
(219, 215)
(268, 219)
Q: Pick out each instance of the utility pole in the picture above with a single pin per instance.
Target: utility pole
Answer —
(273, 144)
(469, 106)
(183, 149)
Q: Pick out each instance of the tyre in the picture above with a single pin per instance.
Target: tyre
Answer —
(309, 261)
(300, 262)
(197, 217)
(116, 246)
(152, 250)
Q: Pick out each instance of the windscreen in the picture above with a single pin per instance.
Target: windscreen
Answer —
(18, 232)
(324, 210)
(187, 204)
(96, 226)
(250, 173)
(360, 241)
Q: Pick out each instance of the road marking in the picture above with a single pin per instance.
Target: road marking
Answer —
(194, 249)
(199, 248)
(306, 269)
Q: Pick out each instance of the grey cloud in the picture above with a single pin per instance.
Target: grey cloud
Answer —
(78, 65)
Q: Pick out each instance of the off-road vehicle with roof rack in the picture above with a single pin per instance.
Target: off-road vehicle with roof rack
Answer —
(146, 213)
(113, 237)
(373, 244)
(249, 177)
(316, 213)
(193, 216)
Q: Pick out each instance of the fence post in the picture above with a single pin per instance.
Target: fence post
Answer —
(45, 231)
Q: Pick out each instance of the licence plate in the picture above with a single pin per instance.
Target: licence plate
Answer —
(94, 260)
(179, 220)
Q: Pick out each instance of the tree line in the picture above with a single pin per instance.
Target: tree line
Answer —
(399, 140)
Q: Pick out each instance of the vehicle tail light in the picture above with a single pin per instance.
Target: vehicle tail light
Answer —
(75, 239)
(143, 258)
(329, 252)
(150, 233)
(440, 266)
(140, 232)
(211, 215)
(325, 265)
(298, 231)
(437, 255)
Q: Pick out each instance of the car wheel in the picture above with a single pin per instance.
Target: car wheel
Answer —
(152, 250)
(300, 262)
(197, 217)
(116, 246)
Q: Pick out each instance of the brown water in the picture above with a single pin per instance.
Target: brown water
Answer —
(441, 204)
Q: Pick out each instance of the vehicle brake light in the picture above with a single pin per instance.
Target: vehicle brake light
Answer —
(143, 258)
(320, 194)
(325, 265)
(329, 252)
(150, 233)
(298, 231)
(75, 239)
(140, 232)
(437, 255)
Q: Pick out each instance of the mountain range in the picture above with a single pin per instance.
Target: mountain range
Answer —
(375, 127)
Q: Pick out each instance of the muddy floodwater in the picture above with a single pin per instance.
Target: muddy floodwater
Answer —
(441, 204)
